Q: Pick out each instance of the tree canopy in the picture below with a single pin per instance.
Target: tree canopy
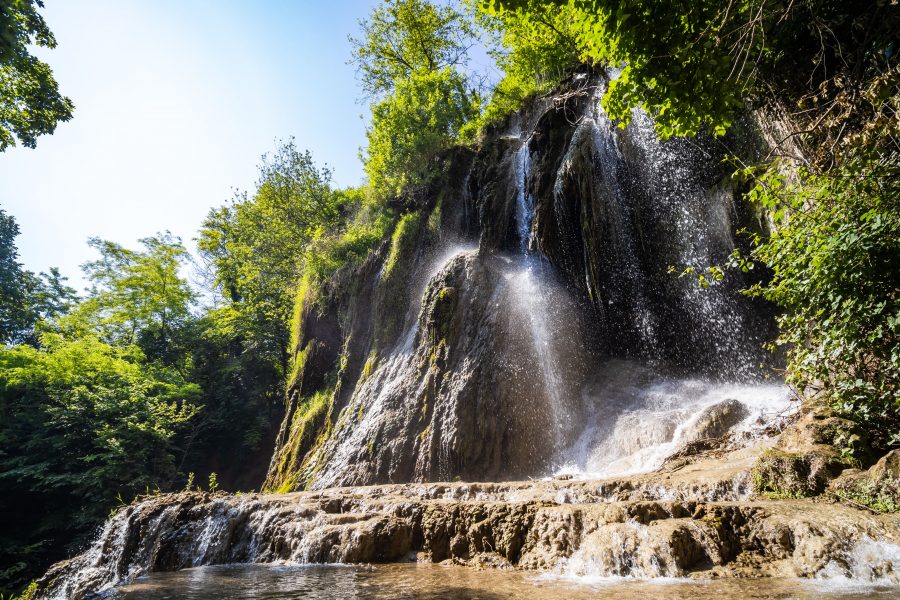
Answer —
(402, 38)
(30, 102)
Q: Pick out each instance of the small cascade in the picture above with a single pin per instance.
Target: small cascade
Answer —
(620, 550)
(600, 540)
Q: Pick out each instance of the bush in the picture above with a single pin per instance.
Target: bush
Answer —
(835, 258)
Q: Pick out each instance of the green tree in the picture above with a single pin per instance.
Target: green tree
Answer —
(695, 65)
(25, 298)
(135, 292)
(410, 59)
(255, 245)
(533, 53)
(835, 257)
(257, 249)
(406, 37)
(30, 102)
(81, 423)
(12, 292)
(412, 126)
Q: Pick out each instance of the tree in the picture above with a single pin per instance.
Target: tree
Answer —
(533, 53)
(410, 60)
(25, 298)
(81, 423)
(406, 37)
(257, 248)
(694, 66)
(256, 245)
(30, 102)
(136, 292)
(12, 292)
(411, 126)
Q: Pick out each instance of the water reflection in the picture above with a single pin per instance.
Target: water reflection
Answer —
(432, 582)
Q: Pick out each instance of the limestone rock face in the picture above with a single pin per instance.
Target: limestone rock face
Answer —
(519, 525)
(450, 401)
(459, 348)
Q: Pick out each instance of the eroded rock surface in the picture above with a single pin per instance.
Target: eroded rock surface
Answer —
(568, 527)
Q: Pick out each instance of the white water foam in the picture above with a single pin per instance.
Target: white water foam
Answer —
(866, 562)
(638, 418)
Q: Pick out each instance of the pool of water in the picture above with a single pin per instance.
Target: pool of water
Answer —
(431, 582)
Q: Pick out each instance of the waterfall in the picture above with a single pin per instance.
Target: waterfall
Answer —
(538, 302)
(638, 409)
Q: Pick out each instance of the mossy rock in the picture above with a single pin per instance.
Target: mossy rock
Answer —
(779, 475)
(442, 312)
(393, 289)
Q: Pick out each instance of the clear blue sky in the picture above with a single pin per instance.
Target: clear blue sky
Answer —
(175, 102)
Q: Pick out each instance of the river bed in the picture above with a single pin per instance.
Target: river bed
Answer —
(431, 582)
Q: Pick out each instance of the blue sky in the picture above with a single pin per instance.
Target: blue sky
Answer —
(175, 102)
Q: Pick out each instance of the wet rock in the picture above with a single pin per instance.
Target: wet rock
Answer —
(717, 420)
(515, 524)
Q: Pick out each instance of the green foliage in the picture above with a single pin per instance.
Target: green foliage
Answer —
(213, 482)
(881, 496)
(80, 422)
(348, 245)
(135, 293)
(27, 594)
(835, 258)
(256, 245)
(26, 298)
(693, 66)
(410, 60)
(30, 102)
(12, 294)
(412, 126)
(534, 54)
(105, 420)
(403, 38)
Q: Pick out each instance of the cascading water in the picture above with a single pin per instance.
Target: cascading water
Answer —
(559, 343)
(531, 297)
(638, 418)
(636, 411)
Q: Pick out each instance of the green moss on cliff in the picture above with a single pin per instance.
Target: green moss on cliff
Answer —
(395, 278)
(403, 241)
(311, 420)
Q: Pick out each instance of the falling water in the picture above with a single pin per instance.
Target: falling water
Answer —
(532, 295)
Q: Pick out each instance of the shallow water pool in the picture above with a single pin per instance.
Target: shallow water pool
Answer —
(424, 581)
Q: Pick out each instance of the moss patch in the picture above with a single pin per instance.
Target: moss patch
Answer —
(310, 422)
(880, 496)
(781, 475)
(394, 284)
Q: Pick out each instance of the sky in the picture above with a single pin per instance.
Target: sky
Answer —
(175, 102)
